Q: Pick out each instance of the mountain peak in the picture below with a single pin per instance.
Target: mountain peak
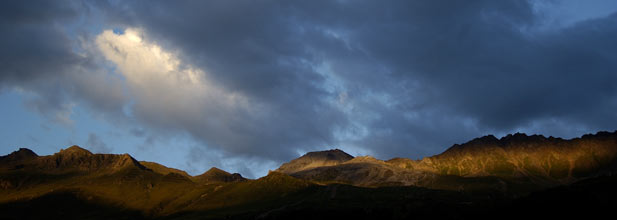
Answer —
(75, 150)
(215, 170)
(19, 155)
(217, 175)
(487, 139)
(315, 159)
(333, 154)
(25, 151)
(521, 137)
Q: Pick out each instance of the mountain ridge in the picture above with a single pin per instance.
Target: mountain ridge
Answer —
(516, 158)
(469, 175)
(77, 158)
(334, 157)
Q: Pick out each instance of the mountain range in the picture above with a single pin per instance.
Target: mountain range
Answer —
(516, 174)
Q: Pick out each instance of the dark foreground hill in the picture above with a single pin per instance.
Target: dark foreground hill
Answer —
(517, 176)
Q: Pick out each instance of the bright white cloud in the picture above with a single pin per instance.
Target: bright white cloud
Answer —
(167, 92)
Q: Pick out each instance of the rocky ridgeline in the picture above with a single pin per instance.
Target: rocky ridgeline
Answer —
(490, 168)
(76, 158)
(513, 159)
(533, 156)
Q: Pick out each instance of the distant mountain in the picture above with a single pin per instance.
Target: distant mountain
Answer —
(481, 178)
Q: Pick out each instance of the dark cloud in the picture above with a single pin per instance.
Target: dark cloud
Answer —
(33, 44)
(397, 78)
(35, 50)
(44, 57)
(486, 67)
(462, 68)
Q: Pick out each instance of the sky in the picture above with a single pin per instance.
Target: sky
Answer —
(248, 85)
